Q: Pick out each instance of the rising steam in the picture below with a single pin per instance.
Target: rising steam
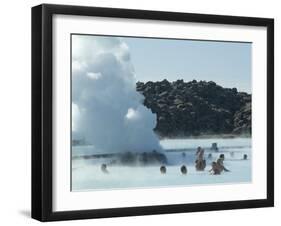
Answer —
(107, 109)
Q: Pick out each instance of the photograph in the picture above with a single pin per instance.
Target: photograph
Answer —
(140, 112)
(151, 112)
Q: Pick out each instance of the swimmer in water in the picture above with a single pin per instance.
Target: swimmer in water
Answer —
(104, 168)
(220, 163)
(163, 169)
(200, 162)
(216, 169)
(184, 170)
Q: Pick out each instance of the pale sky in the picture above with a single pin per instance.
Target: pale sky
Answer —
(226, 63)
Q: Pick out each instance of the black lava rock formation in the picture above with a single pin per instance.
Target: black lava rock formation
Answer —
(196, 108)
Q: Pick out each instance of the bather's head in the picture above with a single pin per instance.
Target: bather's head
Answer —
(222, 156)
(163, 169)
(103, 166)
(183, 169)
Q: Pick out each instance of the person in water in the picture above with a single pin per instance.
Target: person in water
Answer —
(200, 162)
(220, 163)
(104, 168)
(163, 169)
(216, 169)
(215, 147)
(183, 169)
(245, 157)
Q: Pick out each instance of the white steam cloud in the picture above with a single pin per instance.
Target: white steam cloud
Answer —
(107, 109)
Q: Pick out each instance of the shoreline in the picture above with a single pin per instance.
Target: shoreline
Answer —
(208, 136)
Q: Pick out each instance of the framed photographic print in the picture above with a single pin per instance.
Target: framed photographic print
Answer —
(145, 112)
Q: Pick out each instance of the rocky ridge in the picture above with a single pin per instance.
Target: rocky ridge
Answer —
(196, 108)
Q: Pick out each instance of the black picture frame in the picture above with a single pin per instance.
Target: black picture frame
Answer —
(42, 106)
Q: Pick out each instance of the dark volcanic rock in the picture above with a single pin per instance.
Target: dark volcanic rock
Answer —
(196, 108)
(145, 158)
(242, 120)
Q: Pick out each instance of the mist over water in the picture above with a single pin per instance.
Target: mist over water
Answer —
(107, 110)
(87, 174)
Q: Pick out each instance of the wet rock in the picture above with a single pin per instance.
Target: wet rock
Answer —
(145, 158)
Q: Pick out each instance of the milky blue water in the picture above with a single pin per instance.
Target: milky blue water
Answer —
(87, 174)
